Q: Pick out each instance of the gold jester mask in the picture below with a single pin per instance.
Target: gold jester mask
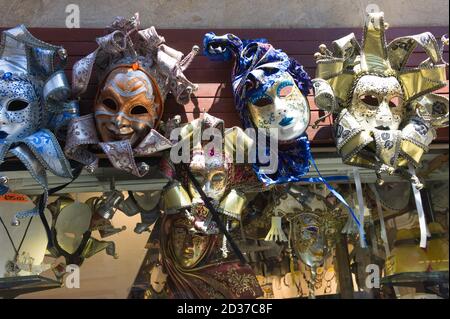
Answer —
(386, 113)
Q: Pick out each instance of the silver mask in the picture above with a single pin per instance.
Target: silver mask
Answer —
(21, 113)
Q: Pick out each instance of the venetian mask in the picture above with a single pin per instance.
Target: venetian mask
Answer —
(188, 248)
(281, 106)
(128, 106)
(158, 278)
(310, 244)
(377, 103)
(136, 71)
(270, 92)
(314, 221)
(386, 112)
(70, 229)
(212, 176)
(270, 87)
(21, 112)
(34, 106)
(208, 160)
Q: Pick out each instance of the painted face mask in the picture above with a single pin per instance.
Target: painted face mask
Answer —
(210, 162)
(281, 106)
(33, 106)
(314, 221)
(270, 92)
(386, 113)
(136, 71)
(194, 270)
(128, 106)
(158, 278)
(20, 105)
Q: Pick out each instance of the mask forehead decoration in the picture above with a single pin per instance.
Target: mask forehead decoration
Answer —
(270, 92)
(136, 71)
(386, 113)
(34, 106)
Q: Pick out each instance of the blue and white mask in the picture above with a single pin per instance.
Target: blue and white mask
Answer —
(270, 92)
(33, 91)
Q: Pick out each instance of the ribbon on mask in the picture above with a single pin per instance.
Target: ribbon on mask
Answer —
(82, 133)
(359, 196)
(381, 218)
(39, 152)
(424, 232)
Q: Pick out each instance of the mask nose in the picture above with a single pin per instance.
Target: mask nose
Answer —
(120, 121)
(207, 188)
(384, 115)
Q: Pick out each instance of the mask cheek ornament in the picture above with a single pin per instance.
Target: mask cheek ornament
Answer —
(377, 103)
(20, 110)
(128, 106)
(281, 106)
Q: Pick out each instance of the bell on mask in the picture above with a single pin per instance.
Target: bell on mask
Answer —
(233, 204)
(175, 198)
(108, 204)
(408, 263)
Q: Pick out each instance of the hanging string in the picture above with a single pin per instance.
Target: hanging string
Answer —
(381, 218)
(16, 249)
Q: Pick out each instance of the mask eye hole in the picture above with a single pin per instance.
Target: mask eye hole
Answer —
(110, 104)
(395, 101)
(284, 90)
(263, 101)
(371, 100)
(17, 105)
(139, 109)
(312, 229)
(217, 178)
(270, 71)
